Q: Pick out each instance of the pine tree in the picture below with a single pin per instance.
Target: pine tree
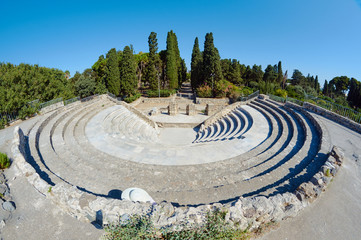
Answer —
(279, 73)
(212, 71)
(196, 65)
(317, 84)
(269, 74)
(128, 75)
(151, 73)
(171, 58)
(113, 76)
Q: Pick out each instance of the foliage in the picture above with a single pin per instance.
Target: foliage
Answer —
(132, 98)
(4, 161)
(113, 75)
(204, 91)
(223, 88)
(24, 83)
(141, 227)
(151, 71)
(171, 58)
(85, 86)
(27, 111)
(281, 93)
(212, 71)
(196, 65)
(163, 93)
(127, 69)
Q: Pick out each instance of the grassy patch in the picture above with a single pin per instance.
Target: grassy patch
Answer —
(141, 227)
(4, 161)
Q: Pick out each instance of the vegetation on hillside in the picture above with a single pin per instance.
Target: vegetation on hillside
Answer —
(127, 74)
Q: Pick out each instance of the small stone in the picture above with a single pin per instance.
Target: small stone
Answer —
(8, 206)
(2, 224)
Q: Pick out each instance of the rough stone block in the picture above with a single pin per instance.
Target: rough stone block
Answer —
(191, 109)
(173, 109)
(211, 109)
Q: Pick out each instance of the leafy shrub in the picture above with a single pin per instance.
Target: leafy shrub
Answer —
(141, 227)
(281, 93)
(223, 88)
(163, 93)
(204, 91)
(3, 122)
(132, 98)
(27, 111)
(4, 161)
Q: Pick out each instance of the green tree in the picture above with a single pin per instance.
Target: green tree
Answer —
(85, 86)
(212, 71)
(196, 65)
(325, 90)
(151, 72)
(128, 75)
(171, 65)
(270, 75)
(113, 75)
(279, 73)
(297, 78)
(339, 85)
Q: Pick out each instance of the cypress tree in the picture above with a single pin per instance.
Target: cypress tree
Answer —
(171, 66)
(236, 72)
(325, 90)
(211, 62)
(280, 73)
(196, 65)
(151, 73)
(128, 75)
(113, 76)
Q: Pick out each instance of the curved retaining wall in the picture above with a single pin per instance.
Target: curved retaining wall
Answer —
(243, 213)
(333, 116)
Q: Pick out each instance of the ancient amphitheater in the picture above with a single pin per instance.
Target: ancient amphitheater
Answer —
(257, 154)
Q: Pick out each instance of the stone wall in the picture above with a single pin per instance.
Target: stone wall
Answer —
(159, 100)
(333, 116)
(52, 107)
(215, 101)
(242, 213)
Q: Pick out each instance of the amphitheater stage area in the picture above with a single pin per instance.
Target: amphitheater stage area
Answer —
(261, 148)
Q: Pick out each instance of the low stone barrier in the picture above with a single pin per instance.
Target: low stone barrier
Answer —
(243, 213)
(333, 116)
(52, 107)
(215, 101)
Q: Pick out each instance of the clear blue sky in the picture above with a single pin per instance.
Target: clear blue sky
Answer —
(320, 37)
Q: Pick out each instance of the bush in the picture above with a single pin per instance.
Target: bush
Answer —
(141, 227)
(223, 88)
(27, 111)
(281, 93)
(4, 161)
(204, 91)
(163, 93)
(132, 98)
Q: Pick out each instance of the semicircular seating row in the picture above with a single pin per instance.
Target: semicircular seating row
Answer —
(230, 126)
(293, 152)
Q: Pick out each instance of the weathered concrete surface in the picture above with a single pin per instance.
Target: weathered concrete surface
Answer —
(337, 214)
